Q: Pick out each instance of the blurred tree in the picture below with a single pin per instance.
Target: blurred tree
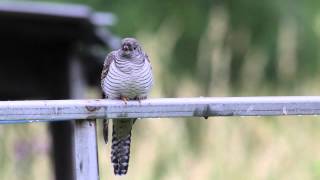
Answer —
(251, 24)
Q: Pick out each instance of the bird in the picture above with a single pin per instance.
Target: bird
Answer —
(126, 75)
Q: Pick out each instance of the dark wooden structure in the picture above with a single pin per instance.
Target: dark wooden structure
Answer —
(44, 49)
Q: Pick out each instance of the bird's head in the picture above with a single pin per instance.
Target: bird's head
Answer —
(130, 47)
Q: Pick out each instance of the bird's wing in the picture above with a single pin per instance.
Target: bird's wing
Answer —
(107, 62)
(147, 58)
(109, 59)
(105, 130)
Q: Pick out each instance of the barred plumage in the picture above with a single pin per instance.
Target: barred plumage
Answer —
(121, 140)
(127, 78)
(126, 75)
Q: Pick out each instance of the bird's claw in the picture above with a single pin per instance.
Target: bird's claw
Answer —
(125, 99)
(140, 98)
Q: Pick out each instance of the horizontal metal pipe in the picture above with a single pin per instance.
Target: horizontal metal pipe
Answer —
(62, 110)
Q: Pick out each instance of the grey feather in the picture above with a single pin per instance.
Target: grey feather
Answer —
(105, 130)
(126, 73)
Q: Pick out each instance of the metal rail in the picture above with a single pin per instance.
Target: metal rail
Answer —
(63, 110)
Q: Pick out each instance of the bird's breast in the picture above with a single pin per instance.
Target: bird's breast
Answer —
(128, 80)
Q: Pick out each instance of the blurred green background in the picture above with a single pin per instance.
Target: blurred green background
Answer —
(206, 48)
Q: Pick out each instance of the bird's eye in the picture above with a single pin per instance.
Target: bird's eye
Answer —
(135, 48)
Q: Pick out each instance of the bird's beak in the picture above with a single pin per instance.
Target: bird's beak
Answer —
(125, 48)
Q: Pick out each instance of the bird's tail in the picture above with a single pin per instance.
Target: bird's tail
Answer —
(120, 152)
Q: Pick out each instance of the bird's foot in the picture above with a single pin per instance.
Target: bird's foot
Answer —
(125, 99)
(140, 98)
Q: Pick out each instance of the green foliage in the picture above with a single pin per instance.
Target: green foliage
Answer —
(258, 21)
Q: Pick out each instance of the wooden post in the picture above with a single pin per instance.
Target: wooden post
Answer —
(85, 154)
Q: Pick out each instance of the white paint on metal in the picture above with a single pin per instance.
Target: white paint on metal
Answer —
(84, 139)
(57, 110)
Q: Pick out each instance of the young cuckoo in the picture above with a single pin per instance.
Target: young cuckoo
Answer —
(126, 75)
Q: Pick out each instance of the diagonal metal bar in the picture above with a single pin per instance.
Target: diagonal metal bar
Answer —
(57, 110)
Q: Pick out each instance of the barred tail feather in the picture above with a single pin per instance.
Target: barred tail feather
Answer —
(120, 153)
